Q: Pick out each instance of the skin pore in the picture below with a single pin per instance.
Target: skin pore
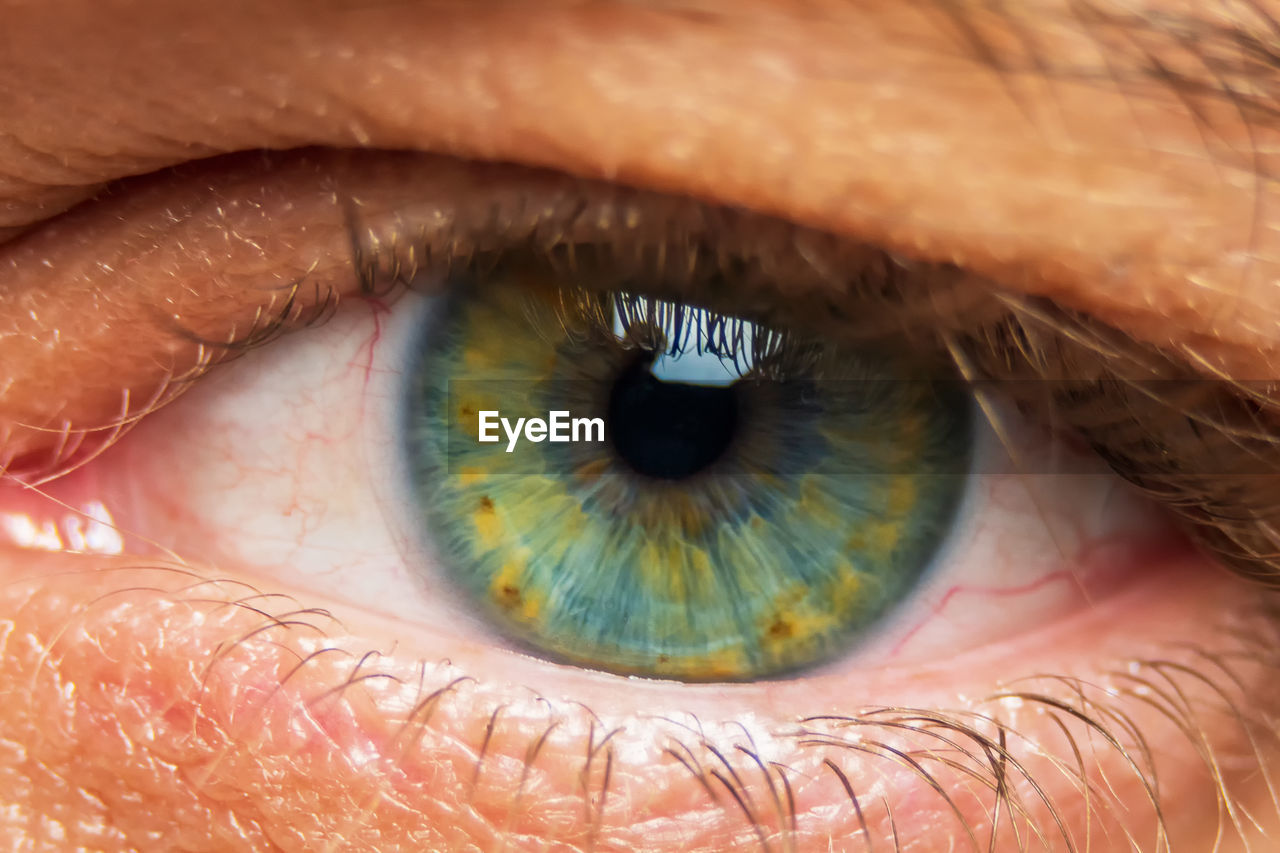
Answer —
(1112, 157)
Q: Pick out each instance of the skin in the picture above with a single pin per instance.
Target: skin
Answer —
(143, 712)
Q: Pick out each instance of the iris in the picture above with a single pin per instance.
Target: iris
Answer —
(729, 528)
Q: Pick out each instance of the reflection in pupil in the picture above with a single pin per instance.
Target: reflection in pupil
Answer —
(669, 430)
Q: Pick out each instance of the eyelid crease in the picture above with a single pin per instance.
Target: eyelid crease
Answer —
(1081, 109)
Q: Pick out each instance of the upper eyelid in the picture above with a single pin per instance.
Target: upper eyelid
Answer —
(253, 243)
(252, 288)
(1017, 47)
(1164, 242)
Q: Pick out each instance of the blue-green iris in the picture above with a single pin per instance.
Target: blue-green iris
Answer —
(765, 534)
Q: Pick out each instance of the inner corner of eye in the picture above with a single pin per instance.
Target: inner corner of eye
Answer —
(644, 486)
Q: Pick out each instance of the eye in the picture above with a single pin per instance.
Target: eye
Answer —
(835, 502)
(313, 467)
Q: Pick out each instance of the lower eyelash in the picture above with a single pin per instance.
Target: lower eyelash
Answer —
(987, 779)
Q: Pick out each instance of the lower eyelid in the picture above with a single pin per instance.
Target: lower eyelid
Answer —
(290, 709)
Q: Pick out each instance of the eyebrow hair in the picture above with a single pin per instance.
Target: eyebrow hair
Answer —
(1220, 62)
(1207, 64)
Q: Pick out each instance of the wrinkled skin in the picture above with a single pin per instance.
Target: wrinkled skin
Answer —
(1098, 159)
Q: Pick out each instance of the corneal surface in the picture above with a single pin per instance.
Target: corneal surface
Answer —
(719, 533)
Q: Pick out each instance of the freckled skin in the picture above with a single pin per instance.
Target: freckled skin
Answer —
(142, 713)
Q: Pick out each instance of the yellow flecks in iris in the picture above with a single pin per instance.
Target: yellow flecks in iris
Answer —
(893, 445)
(902, 496)
(488, 525)
(792, 624)
(497, 321)
(878, 539)
(689, 516)
(553, 523)
(673, 510)
(537, 500)
(469, 409)
(875, 539)
(509, 591)
(816, 504)
(531, 609)
(661, 574)
(480, 354)
(700, 564)
(659, 568)
(846, 588)
(675, 570)
(506, 586)
(719, 664)
(789, 634)
(471, 476)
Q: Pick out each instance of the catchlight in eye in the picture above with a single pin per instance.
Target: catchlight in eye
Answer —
(760, 501)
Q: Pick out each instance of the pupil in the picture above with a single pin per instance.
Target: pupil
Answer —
(669, 430)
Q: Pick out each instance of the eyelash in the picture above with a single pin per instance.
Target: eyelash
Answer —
(1151, 415)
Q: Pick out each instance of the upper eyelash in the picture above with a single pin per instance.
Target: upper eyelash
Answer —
(1111, 389)
(675, 328)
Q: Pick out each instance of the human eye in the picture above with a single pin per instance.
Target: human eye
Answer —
(851, 452)
(272, 471)
(187, 703)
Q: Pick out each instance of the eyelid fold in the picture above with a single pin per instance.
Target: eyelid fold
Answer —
(129, 299)
(1104, 160)
(123, 300)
